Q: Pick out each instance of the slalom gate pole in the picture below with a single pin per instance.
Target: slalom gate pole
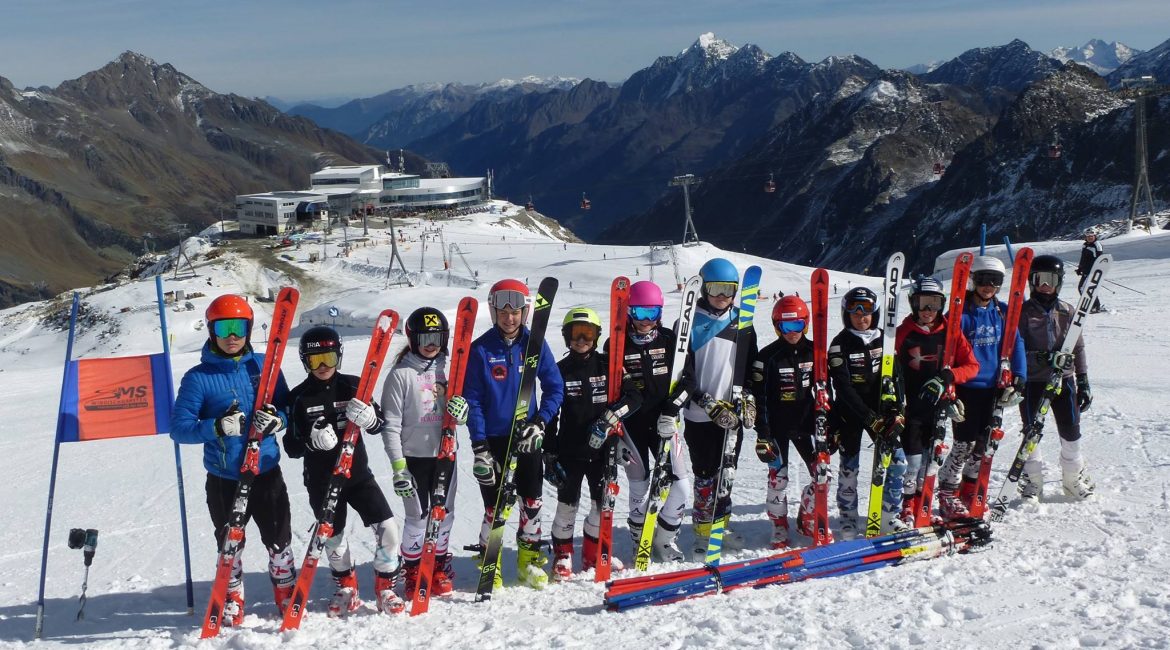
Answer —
(1008, 243)
(983, 239)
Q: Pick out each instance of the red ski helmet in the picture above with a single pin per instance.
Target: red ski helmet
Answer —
(789, 309)
(509, 294)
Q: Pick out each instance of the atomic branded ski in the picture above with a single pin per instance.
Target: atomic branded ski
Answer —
(748, 293)
(820, 328)
(924, 501)
(662, 477)
(619, 300)
(445, 459)
(1034, 430)
(1015, 304)
(506, 494)
(883, 452)
(282, 315)
(379, 343)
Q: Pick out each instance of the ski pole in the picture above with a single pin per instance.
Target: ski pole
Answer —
(86, 540)
(1125, 287)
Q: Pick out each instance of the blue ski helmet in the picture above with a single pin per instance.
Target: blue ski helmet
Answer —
(719, 270)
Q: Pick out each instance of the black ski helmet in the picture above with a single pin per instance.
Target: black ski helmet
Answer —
(1046, 263)
(320, 339)
(858, 294)
(426, 320)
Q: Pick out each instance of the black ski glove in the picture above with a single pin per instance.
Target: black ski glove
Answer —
(1084, 393)
(934, 389)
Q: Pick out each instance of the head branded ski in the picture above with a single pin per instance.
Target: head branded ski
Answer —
(883, 452)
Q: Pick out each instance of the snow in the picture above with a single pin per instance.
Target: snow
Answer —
(882, 92)
(1067, 574)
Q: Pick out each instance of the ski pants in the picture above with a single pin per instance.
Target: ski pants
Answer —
(529, 480)
(569, 497)
(645, 444)
(268, 507)
(705, 442)
(416, 509)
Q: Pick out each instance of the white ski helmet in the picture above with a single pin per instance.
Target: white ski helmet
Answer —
(984, 266)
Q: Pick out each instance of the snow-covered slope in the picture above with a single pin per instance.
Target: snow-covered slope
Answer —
(1070, 574)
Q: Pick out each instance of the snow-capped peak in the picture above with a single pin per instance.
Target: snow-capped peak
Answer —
(1099, 56)
(532, 80)
(715, 48)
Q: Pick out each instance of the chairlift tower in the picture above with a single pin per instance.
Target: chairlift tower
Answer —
(690, 236)
(667, 246)
(1141, 185)
(395, 257)
(455, 250)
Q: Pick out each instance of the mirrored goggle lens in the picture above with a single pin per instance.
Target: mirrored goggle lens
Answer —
(860, 306)
(1050, 278)
(646, 313)
(430, 340)
(327, 359)
(725, 289)
(509, 300)
(230, 327)
(583, 331)
(791, 326)
(988, 279)
(930, 303)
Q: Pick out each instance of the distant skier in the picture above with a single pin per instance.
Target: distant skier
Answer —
(1091, 250)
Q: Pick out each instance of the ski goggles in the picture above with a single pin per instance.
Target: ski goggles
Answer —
(317, 359)
(231, 327)
(791, 326)
(430, 339)
(509, 300)
(646, 313)
(583, 331)
(860, 305)
(987, 279)
(724, 289)
(1050, 278)
(929, 303)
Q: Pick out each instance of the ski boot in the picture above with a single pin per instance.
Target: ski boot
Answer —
(1032, 483)
(498, 578)
(443, 576)
(780, 534)
(892, 521)
(849, 522)
(530, 563)
(345, 599)
(563, 559)
(702, 532)
(388, 601)
(1077, 483)
(635, 531)
(950, 506)
(967, 488)
(732, 541)
(409, 579)
(233, 608)
(283, 574)
(664, 547)
(907, 514)
(589, 555)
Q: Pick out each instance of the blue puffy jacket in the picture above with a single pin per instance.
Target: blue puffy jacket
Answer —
(983, 327)
(492, 384)
(206, 393)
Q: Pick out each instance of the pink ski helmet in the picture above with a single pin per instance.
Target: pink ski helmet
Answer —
(645, 293)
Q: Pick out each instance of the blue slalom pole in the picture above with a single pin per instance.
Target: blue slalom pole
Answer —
(53, 472)
(983, 239)
(1008, 243)
(162, 320)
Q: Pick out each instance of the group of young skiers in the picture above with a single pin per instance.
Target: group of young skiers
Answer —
(641, 400)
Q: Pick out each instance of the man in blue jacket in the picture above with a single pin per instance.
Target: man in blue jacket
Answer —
(984, 316)
(491, 388)
(208, 411)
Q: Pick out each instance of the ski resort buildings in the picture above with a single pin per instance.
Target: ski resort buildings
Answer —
(351, 191)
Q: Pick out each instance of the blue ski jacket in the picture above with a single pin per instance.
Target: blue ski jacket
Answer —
(206, 393)
(492, 384)
(983, 327)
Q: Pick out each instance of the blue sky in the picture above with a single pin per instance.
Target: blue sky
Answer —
(297, 49)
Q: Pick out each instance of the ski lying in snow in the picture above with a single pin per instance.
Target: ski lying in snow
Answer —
(375, 356)
(282, 315)
(445, 459)
(1034, 430)
(820, 328)
(506, 494)
(883, 452)
(663, 474)
(619, 300)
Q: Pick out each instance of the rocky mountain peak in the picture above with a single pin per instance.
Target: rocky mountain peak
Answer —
(1012, 67)
(1097, 55)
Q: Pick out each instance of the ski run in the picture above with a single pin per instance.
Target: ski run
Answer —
(1059, 574)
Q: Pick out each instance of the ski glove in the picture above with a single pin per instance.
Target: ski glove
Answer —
(230, 423)
(1013, 394)
(403, 480)
(484, 465)
(726, 480)
(887, 428)
(721, 413)
(667, 427)
(766, 450)
(747, 410)
(934, 389)
(531, 437)
(602, 428)
(554, 473)
(267, 421)
(1063, 360)
(955, 410)
(1084, 393)
(457, 408)
(361, 414)
(323, 437)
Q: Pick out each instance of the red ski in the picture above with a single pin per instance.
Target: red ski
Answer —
(283, 311)
(820, 327)
(379, 344)
(619, 300)
(1023, 265)
(924, 501)
(445, 459)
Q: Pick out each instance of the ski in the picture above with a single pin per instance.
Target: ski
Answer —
(445, 459)
(662, 478)
(883, 452)
(1015, 304)
(924, 501)
(282, 315)
(619, 300)
(748, 293)
(820, 329)
(323, 530)
(1034, 430)
(506, 495)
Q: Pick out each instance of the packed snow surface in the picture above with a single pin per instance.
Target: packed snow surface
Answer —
(1066, 575)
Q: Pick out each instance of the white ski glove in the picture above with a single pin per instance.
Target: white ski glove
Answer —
(747, 409)
(458, 409)
(230, 423)
(323, 437)
(403, 480)
(667, 426)
(531, 437)
(362, 414)
(267, 421)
